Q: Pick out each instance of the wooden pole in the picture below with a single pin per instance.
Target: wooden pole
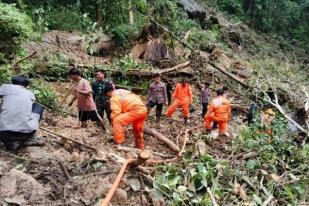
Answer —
(143, 157)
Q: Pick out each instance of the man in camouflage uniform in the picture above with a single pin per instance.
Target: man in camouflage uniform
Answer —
(102, 101)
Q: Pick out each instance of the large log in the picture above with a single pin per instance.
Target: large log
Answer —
(162, 138)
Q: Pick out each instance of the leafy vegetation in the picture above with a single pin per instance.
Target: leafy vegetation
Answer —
(15, 27)
(287, 18)
(45, 94)
(281, 168)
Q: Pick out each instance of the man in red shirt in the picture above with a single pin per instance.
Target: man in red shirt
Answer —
(83, 95)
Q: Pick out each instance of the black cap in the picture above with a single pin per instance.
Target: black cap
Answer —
(74, 71)
(20, 80)
(220, 92)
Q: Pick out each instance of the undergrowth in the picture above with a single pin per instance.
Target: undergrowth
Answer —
(186, 183)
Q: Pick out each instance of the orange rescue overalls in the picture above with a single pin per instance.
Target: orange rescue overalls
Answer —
(127, 108)
(183, 98)
(218, 111)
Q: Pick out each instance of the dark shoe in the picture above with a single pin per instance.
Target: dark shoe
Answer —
(34, 141)
(11, 146)
(186, 121)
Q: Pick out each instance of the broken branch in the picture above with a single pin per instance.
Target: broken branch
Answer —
(162, 138)
(14, 65)
(64, 170)
(62, 136)
(212, 198)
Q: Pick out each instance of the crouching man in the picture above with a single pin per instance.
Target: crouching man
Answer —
(127, 108)
(19, 115)
(218, 111)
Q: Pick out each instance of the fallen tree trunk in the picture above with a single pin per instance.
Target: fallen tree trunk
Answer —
(179, 66)
(226, 73)
(162, 138)
(62, 136)
(15, 64)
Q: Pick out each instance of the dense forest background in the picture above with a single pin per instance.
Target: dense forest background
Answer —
(286, 20)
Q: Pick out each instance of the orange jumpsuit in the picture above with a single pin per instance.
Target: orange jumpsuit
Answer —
(218, 111)
(183, 98)
(127, 108)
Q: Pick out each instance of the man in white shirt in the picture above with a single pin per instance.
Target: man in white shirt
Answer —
(17, 121)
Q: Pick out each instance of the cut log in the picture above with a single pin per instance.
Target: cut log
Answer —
(162, 138)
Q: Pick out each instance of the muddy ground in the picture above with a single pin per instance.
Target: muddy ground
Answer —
(33, 175)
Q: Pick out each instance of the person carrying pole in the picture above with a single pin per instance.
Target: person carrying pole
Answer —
(182, 97)
(127, 108)
(83, 95)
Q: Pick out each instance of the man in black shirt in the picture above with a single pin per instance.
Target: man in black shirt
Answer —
(101, 101)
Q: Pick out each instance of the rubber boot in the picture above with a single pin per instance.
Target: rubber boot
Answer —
(34, 141)
(186, 121)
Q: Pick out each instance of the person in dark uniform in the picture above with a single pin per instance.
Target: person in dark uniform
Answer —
(101, 100)
(169, 89)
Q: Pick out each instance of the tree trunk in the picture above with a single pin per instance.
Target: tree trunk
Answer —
(131, 17)
(99, 11)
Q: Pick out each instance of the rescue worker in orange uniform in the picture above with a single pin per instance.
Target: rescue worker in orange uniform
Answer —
(182, 97)
(218, 111)
(126, 108)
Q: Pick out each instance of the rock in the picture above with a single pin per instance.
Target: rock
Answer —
(17, 199)
(201, 147)
(135, 184)
(156, 199)
(120, 196)
(75, 156)
(18, 186)
(274, 177)
(138, 51)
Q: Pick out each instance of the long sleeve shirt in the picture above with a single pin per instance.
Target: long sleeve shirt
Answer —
(205, 95)
(16, 109)
(183, 93)
(220, 107)
(123, 101)
(157, 93)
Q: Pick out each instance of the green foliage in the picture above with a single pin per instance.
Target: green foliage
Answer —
(287, 17)
(67, 19)
(15, 28)
(44, 94)
(5, 74)
(203, 39)
(278, 154)
(232, 7)
(124, 33)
